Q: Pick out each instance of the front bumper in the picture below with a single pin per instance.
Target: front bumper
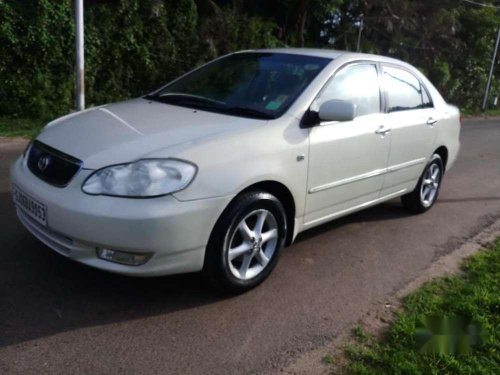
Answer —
(176, 232)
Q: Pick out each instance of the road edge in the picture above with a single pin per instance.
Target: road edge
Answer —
(378, 319)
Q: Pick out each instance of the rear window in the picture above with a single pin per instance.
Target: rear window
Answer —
(405, 92)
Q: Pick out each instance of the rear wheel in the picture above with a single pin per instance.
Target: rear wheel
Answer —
(427, 191)
(246, 242)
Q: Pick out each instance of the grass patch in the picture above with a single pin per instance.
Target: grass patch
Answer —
(479, 113)
(360, 335)
(328, 359)
(18, 127)
(475, 293)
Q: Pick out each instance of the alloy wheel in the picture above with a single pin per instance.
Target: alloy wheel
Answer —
(430, 185)
(252, 244)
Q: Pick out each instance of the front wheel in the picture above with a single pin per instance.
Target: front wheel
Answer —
(246, 242)
(427, 191)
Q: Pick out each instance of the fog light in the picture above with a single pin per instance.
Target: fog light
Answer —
(129, 259)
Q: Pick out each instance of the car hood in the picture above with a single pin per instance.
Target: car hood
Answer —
(127, 131)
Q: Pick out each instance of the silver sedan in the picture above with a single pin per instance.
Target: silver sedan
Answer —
(223, 167)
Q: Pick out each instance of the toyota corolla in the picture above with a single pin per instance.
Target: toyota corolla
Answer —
(223, 167)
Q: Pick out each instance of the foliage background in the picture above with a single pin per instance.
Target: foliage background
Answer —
(134, 46)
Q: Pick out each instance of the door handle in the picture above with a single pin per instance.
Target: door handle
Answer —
(431, 121)
(383, 131)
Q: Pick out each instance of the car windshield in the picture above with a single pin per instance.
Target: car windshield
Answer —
(250, 84)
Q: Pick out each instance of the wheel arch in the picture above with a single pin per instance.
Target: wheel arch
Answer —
(284, 195)
(442, 151)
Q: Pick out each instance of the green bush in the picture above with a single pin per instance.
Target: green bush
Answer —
(131, 48)
(134, 46)
(36, 45)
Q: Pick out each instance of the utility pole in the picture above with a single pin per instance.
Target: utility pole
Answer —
(80, 57)
(490, 76)
(361, 25)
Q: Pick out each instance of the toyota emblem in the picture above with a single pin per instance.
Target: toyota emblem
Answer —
(43, 163)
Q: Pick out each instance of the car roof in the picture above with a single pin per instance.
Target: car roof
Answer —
(330, 54)
(317, 52)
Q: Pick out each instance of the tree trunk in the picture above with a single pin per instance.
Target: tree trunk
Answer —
(301, 26)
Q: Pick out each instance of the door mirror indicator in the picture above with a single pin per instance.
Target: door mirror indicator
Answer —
(337, 110)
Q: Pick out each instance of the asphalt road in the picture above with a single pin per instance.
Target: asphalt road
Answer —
(57, 316)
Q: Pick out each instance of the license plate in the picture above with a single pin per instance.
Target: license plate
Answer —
(34, 209)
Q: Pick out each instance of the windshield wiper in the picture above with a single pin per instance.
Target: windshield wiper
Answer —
(201, 102)
(187, 99)
(245, 111)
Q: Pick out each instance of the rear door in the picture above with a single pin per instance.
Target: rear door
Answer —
(413, 122)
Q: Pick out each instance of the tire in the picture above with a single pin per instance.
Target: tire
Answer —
(238, 259)
(427, 190)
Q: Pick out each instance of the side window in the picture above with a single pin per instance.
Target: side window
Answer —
(427, 101)
(358, 84)
(404, 91)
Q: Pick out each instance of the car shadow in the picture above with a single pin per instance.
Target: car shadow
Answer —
(43, 293)
(391, 210)
(470, 199)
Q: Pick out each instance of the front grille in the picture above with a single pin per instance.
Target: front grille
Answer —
(52, 166)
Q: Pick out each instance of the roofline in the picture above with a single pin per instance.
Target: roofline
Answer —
(331, 54)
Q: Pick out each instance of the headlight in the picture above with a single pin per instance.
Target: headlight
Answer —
(141, 179)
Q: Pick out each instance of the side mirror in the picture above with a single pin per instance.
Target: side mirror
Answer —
(337, 110)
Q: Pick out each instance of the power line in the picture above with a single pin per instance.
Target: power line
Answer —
(481, 4)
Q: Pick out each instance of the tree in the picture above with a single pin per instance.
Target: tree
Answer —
(449, 41)
(134, 46)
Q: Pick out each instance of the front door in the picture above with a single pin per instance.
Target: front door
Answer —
(347, 160)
